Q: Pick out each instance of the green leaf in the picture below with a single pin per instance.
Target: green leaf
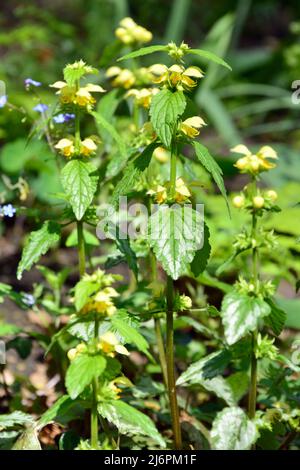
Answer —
(80, 185)
(240, 315)
(233, 430)
(133, 173)
(210, 56)
(103, 123)
(130, 334)
(62, 411)
(212, 167)
(89, 239)
(74, 73)
(129, 420)
(16, 418)
(143, 51)
(81, 372)
(28, 440)
(239, 384)
(166, 107)
(124, 247)
(205, 373)
(8, 329)
(83, 290)
(277, 317)
(202, 256)
(38, 244)
(175, 233)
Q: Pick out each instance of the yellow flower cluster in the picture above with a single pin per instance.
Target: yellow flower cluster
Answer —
(160, 193)
(81, 97)
(255, 163)
(143, 97)
(102, 302)
(129, 32)
(176, 76)
(110, 345)
(66, 147)
(190, 127)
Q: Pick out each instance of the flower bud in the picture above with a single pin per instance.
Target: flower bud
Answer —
(242, 163)
(72, 353)
(258, 202)
(271, 194)
(238, 201)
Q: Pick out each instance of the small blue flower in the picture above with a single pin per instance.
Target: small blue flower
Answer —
(29, 81)
(28, 299)
(63, 117)
(8, 210)
(40, 108)
(3, 101)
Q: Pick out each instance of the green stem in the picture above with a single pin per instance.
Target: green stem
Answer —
(161, 350)
(253, 377)
(170, 329)
(81, 248)
(94, 410)
(170, 366)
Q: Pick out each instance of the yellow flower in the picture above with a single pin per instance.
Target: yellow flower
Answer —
(129, 32)
(160, 194)
(72, 353)
(83, 97)
(176, 76)
(124, 78)
(109, 344)
(181, 191)
(66, 93)
(87, 147)
(258, 202)
(255, 163)
(143, 97)
(161, 154)
(191, 125)
(65, 147)
(271, 194)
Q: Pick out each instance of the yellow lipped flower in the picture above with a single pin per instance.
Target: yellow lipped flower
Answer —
(84, 98)
(65, 147)
(87, 147)
(66, 93)
(176, 76)
(182, 192)
(255, 163)
(143, 97)
(110, 345)
(190, 127)
(129, 32)
(123, 78)
(159, 193)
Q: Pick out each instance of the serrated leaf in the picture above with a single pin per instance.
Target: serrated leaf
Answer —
(174, 234)
(166, 107)
(103, 123)
(81, 372)
(212, 167)
(16, 418)
(83, 290)
(202, 256)
(89, 238)
(28, 440)
(277, 317)
(130, 256)
(205, 373)
(239, 384)
(62, 411)
(133, 173)
(210, 56)
(240, 315)
(38, 244)
(129, 420)
(121, 324)
(73, 74)
(233, 430)
(80, 185)
(143, 51)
